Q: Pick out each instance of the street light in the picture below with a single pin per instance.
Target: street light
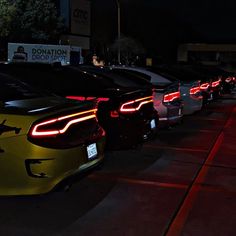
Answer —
(118, 29)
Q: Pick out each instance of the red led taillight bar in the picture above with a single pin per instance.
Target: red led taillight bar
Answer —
(81, 98)
(170, 97)
(194, 90)
(135, 105)
(60, 125)
(229, 79)
(204, 86)
(215, 83)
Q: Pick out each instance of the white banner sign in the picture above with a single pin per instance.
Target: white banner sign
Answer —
(18, 52)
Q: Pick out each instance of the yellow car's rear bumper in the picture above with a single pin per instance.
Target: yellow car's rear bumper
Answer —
(28, 169)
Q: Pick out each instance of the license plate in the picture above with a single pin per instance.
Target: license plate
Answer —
(153, 124)
(92, 151)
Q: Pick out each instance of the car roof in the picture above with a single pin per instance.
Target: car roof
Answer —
(153, 77)
(121, 79)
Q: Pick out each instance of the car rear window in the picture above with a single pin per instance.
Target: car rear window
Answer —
(60, 80)
(165, 73)
(140, 74)
(111, 79)
(122, 79)
(138, 79)
(12, 89)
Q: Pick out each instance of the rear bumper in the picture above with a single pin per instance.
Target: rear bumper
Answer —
(30, 169)
(227, 87)
(170, 114)
(192, 104)
(216, 92)
(129, 131)
(207, 96)
(168, 121)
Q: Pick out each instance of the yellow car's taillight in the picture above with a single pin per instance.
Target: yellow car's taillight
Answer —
(60, 125)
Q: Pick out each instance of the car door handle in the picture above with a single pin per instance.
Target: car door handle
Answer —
(1, 150)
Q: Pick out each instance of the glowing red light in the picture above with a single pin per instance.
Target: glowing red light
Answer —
(228, 80)
(72, 119)
(103, 99)
(204, 86)
(194, 90)
(90, 98)
(114, 114)
(215, 83)
(170, 97)
(135, 105)
(80, 98)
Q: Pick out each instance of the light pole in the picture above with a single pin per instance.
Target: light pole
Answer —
(118, 29)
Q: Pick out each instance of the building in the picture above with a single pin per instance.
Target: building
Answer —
(207, 53)
(77, 15)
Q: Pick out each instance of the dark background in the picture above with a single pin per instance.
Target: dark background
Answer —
(161, 25)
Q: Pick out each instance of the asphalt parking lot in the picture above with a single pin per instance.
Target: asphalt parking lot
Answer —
(181, 183)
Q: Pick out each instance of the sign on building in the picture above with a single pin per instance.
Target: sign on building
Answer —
(80, 17)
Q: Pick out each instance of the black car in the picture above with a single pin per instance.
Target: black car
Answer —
(166, 94)
(126, 113)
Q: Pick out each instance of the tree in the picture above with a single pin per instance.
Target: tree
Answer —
(7, 13)
(130, 49)
(37, 21)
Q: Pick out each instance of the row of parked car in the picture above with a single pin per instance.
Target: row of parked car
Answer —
(57, 121)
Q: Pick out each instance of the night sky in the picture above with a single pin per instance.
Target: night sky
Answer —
(160, 25)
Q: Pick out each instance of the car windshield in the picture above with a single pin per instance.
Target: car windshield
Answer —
(12, 89)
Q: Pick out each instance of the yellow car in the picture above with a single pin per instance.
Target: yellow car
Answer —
(44, 139)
